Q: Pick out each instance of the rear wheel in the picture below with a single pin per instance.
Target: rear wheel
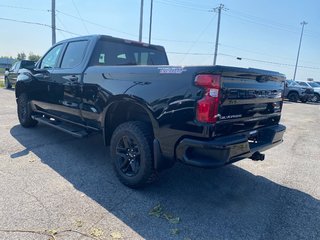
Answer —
(7, 85)
(293, 97)
(315, 98)
(131, 151)
(24, 112)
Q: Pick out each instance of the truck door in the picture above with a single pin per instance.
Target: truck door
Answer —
(67, 78)
(44, 98)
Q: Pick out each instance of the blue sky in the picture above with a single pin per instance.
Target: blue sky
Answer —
(264, 34)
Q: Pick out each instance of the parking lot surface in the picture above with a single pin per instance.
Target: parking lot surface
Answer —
(54, 186)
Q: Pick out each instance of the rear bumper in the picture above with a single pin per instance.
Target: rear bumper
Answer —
(229, 149)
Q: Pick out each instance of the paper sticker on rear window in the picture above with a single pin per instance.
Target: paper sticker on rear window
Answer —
(102, 58)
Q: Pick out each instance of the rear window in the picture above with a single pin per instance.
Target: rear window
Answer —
(109, 53)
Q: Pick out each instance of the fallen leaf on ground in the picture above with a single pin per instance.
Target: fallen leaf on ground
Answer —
(52, 231)
(96, 232)
(156, 211)
(174, 231)
(79, 223)
(116, 235)
(171, 218)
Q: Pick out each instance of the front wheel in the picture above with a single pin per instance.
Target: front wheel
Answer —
(131, 151)
(24, 112)
(293, 97)
(7, 84)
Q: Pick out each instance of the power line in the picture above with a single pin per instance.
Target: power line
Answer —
(24, 8)
(38, 24)
(292, 28)
(242, 58)
(198, 38)
(264, 61)
(190, 53)
(62, 24)
(182, 5)
(95, 24)
(74, 4)
(189, 4)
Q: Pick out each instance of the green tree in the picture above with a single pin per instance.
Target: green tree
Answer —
(33, 57)
(21, 56)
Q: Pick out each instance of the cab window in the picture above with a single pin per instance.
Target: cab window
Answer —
(51, 58)
(74, 54)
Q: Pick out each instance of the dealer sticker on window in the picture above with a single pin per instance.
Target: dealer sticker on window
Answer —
(172, 70)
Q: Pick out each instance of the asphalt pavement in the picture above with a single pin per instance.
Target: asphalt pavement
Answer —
(54, 186)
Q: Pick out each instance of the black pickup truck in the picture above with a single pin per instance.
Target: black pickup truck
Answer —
(152, 114)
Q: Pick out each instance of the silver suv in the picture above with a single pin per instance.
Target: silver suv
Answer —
(316, 89)
(295, 92)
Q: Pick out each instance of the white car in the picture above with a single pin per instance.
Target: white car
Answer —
(316, 88)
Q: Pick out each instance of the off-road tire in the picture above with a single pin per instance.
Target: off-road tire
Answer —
(293, 97)
(24, 112)
(141, 137)
(7, 85)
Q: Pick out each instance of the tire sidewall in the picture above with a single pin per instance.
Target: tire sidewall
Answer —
(293, 97)
(145, 169)
(23, 102)
(6, 83)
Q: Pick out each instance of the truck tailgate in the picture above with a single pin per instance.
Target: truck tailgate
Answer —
(249, 99)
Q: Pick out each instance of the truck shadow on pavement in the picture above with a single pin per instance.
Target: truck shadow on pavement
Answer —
(225, 203)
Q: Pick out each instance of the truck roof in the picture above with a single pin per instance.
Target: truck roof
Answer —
(114, 39)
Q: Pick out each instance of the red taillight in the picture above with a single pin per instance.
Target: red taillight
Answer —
(207, 107)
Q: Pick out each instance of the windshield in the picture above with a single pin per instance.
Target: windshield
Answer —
(293, 83)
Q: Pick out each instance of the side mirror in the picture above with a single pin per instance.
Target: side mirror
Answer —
(286, 84)
(7, 69)
(41, 70)
(41, 74)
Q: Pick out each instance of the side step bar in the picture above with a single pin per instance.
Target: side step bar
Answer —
(65, 127)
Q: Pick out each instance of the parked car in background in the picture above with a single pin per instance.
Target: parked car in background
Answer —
(316, 88)
(295, 92)
(10, 75)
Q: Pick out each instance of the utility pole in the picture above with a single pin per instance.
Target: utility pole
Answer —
(150, 26)
(295, 69)
(141, 21)
(217, 9)
(53, 21)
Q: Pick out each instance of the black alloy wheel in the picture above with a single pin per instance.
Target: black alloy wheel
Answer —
(132, 154)
(128, 156)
